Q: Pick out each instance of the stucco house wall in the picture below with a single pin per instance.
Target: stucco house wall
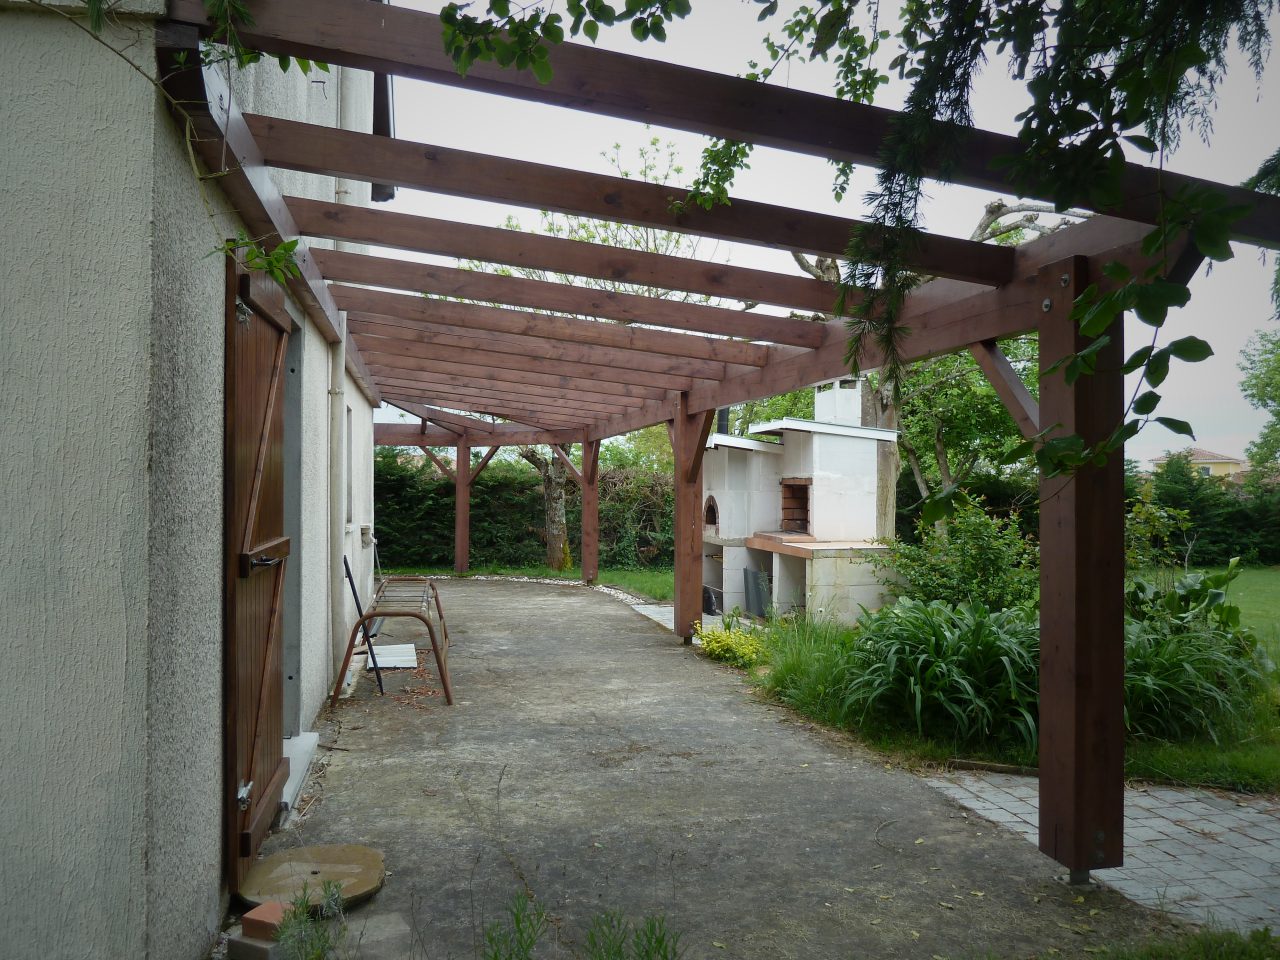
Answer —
(75, 295)
(113, 363)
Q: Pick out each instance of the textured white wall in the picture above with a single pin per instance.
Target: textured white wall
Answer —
(312, 554)
(842, 501)
(362, 491)
(75, 296)
(764, 504)
(113, 438)
(184, 745)
(838, 587)
(797, 453)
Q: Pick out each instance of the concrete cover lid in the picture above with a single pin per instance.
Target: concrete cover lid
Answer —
(281, 876)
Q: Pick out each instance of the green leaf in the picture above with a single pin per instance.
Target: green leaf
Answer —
(1146, 403)
(942, 505)
(1212, 240)
(640, 29)
(1146, 144)
(1191, 349)
(1152, 300)
(1117, 271)
(1157, 367)
(500, 8)
(1136, 359)
(1177, 426)
(1021, 451)
(591, 29)
(542, 70)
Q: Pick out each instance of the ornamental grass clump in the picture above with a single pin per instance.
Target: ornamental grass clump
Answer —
(964, 673)
(806, 663)
(1181, 684)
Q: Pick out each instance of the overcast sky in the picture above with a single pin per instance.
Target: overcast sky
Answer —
(1229, 302)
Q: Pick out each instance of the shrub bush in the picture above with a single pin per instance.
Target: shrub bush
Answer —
(414, 510)
(979, 558)
(1191, 669)
(731, 645)
(970, 675)
(965, 673)
(1182, 682)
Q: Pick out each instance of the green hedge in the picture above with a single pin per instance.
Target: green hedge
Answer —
(413, 507)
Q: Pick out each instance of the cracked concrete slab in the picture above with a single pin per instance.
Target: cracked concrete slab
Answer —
(594, 762)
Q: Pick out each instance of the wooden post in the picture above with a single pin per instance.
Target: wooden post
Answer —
(688, 441)
(462, 509)
(590, 511)
(1081, 599)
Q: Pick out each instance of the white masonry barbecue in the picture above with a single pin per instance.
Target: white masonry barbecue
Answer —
(789, 524)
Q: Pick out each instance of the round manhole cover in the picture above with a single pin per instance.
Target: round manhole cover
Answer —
(282, 876)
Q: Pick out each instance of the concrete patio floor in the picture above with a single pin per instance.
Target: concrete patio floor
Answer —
(594, 763)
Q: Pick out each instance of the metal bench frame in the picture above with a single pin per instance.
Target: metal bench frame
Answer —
(414, 603)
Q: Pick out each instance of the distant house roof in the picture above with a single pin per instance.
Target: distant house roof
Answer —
(1199, 455)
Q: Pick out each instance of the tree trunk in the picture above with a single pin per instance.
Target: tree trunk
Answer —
(554, 476)
(553, 483)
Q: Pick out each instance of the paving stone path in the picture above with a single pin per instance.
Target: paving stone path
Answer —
(1209, 857)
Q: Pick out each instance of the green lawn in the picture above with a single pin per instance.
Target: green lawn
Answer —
(1257, 592)
(657, 585)
(1252, 761)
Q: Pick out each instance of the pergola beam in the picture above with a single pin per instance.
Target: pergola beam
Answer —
(375, 329)
(539, 404)
(407, 43)
(409, 356)
(581, 301)
(943, 316)
(457, 423)
(443, 369)
(515, 248)
(548, 327)
(501, 390)
(1013, 393)
(480, 405)
(410, 435)
(331, 152)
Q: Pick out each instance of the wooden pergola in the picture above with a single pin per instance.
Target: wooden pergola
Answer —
(609, 363)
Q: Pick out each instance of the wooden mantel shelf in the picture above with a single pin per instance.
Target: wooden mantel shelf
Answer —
(804, 546)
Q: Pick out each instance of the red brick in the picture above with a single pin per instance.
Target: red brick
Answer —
(263, 922)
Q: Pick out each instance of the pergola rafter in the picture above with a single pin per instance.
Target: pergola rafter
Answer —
(570, 299)
(579, 380)
(503, 389)
(482, 390)
(515, 248)
(312, 148)
(402, 42)
(420, 312)
(383, 332)
(440, 370)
